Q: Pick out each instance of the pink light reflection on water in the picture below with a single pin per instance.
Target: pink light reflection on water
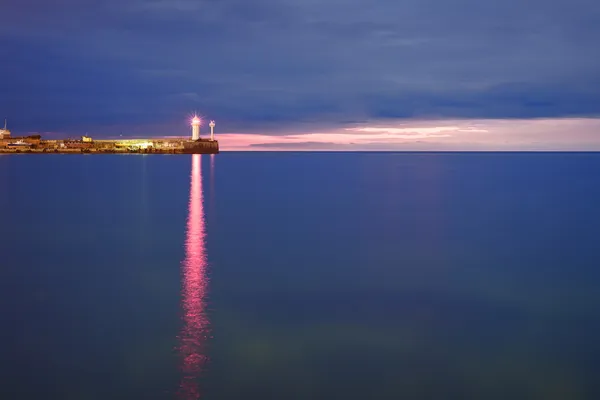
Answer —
(195, 331)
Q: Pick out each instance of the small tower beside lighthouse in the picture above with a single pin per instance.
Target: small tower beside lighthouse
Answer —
(212, 130)
(195, 128)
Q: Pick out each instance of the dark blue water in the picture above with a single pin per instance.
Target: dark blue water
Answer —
(300, 276)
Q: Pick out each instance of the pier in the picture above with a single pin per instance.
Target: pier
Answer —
(35, 144)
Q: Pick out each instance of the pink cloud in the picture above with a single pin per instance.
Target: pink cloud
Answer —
(574, 134)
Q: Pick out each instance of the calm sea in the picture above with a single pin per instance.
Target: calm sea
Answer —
(300, 276)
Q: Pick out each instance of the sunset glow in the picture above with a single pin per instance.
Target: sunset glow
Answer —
(574, 134)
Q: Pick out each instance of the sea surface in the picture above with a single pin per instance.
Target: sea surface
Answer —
(300, 276)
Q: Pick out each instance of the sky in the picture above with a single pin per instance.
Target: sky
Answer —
(308, 74)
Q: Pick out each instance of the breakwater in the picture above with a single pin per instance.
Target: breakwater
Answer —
(36, 145)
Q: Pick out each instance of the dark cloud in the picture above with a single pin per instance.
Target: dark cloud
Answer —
(66, 62)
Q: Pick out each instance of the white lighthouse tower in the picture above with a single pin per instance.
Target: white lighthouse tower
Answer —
(212, 130)
(195, 128)
(4, 133)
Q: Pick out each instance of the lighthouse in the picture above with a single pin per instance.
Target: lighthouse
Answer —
(195, 128)
(4, 133)
(212, 130)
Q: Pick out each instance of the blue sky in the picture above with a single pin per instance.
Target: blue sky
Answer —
(288, 67)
